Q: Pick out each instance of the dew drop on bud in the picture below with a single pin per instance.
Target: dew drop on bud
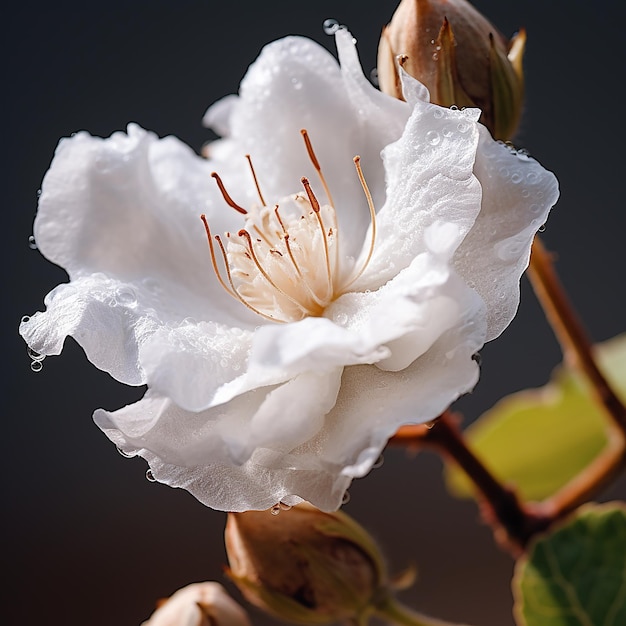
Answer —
(32, 244)
(150, 476)
(330, 26)
(36, 366)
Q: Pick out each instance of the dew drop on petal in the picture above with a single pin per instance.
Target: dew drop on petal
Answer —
(127, 455)
(346, 498)
(36, 366)
(126, 296)
(516, 178)
(433, 137)
(454, 108)
(150, 476)
(284, 507)
(32, 244)
(26, 319)
(341, 319)
(374, 76)
(275, 510)
(541, 229)
(330, 26)
(378, 463)
(438, 113)
(35, 356)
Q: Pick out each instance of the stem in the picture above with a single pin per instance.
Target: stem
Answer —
(513, 523)
(393, 611)
(577, 348)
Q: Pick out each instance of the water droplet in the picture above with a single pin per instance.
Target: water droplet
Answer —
(341, 319)
(433, 137)
(542, 229)
(463, 127)
(346, 498)
(26, 319)
(150, 476)
(112, 302)
(454, 108)
(330, 26)
(32, 244)
(126, 296)
(531, 177)
(284, 507)
(435, 56)
(275, 510)
(430, 424)
(438, 113)
(446, 132)
(36, 366)
(192, 321)
(297, 83)
(38, 193)
(374, 77)
(127, 455)
(516, 178)
(477, 357)
(379, 462)
(35, 356)
(525, 193)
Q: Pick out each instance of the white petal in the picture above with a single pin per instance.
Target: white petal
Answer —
(313, 95)
(517, 196)
(191, 362)
(202, 456)
(429, 179)
(121, 215)
(218, 115)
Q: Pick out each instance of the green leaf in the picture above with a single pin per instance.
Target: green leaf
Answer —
(539, 439)
(575, 575)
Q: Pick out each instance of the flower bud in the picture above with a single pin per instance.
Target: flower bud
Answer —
(200, 604)
(460, 57)
(305, 566)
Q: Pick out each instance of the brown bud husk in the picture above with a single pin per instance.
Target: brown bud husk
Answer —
(460, 57)
(305, 566)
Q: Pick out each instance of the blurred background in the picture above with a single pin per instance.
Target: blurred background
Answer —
(90, 540)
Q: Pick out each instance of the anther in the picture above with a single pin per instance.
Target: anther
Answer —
(315, 205)
(316, 164)
(256, 180)
(229, 201)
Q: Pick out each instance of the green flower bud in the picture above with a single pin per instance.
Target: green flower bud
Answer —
(305, 566)
(460, 57)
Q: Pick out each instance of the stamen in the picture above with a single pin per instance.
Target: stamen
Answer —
(246, 235)
(316, 165)
(256, 181)
(235, 293)
(316, 209)
(214, 260)
(302, 277)
(370, 204)
(229, 201)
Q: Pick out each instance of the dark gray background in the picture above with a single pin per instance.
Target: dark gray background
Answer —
(90, 541)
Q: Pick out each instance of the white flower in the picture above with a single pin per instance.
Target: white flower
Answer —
(241, 410)
(199, 604)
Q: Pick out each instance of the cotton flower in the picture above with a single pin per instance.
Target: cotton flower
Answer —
(199, 604)
(281, 358)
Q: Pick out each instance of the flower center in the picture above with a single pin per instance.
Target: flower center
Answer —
(285, 264)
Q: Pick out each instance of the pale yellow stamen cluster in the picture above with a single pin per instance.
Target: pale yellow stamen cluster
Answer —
(286, 267)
